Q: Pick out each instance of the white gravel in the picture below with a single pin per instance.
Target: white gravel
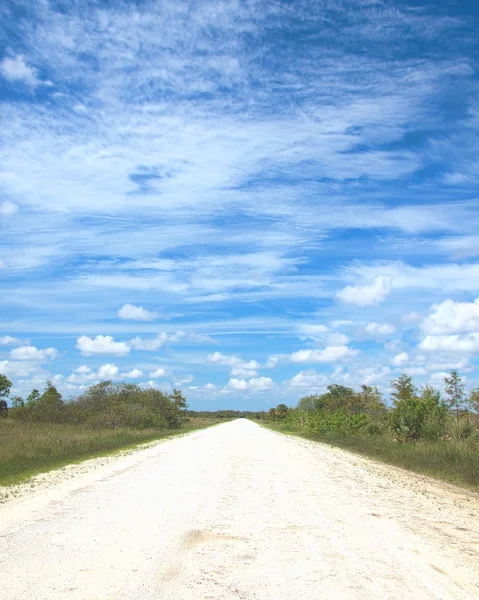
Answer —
(237, 511)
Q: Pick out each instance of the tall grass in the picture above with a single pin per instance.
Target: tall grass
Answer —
(30, 448)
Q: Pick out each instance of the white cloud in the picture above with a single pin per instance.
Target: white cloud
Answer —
(108, 371)
(411, 318)
(379, 328)
(33, 354)
(313, 331)
(337, 339)
(185, 379)
(157, 373)
(8, 340)
(129, 312)
(400, 359)
(7, 208)
(149, 344)
(240, 367)
(328, 354)
(412, 371)
(310, 379)
(452, 317)
(239, 372)
(133, 374)
(83, 370)
(467, 343)
(366, 295)
(255, 384)
(16, 69)
(101, 344)
(22, 368)
(271, 362)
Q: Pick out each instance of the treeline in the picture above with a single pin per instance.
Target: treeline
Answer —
(227, 414)
(414, 413)
(105, 404)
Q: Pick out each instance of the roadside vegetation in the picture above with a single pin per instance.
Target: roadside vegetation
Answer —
(44, 431)
(421, 430)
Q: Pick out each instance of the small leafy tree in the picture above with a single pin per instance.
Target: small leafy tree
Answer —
(17, 402)
(33, 398)
(5, 386)
(403, 389)
(454, 389)
(281, 411)
(179, 399)
(473, 400)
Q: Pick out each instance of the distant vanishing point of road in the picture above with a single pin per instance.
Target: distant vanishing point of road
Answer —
(239, 512)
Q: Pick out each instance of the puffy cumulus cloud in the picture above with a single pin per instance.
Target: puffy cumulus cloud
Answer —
(366, 295)
(256, 384)
(452, 317)
(328, 354)
(337, 339)
(271, 362)
(218, 358)
(149, 344)
(374, 328)
(108, 371)
(7, 208)
(467, 343)
(101, 344)
(160, 372)
(309, 379)
(400, 359)
(239, 367)
(8, 340)
(33, 354)
(133, 374)
(130, 312)
(21, 368)
(16, 69)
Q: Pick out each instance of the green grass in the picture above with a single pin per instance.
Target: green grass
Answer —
(27, 449)
(453, 462)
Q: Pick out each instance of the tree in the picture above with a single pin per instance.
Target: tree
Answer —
(33, 398)
(370, 401)
(5, 386)
(473, 400)
(179, 399)
(308, 403)
(454, 389)
(403, 388)
(49, 405)
(17, 402)
(281, 411)
(434, 426)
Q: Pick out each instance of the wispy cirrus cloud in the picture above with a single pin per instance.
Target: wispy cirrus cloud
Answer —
(257, 187)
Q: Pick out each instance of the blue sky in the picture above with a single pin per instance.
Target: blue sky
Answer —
(244, 199)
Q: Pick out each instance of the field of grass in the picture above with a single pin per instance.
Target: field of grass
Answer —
(456, 462)
(27, 449)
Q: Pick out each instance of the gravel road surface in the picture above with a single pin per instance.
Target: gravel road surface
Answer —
(239, 512)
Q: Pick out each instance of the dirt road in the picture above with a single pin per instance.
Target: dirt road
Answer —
(237, 511)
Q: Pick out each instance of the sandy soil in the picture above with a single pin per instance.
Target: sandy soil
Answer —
(240, 512)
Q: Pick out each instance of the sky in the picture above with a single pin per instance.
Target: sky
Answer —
(244, 199)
